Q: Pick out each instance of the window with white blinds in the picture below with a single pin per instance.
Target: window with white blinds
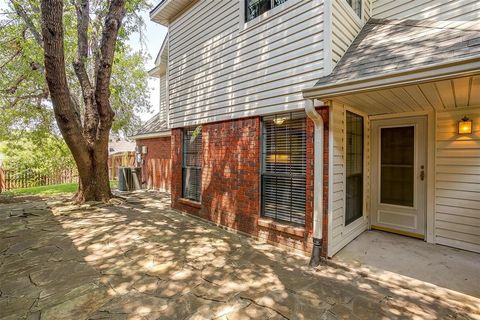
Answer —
(192, 163)
(284, 163)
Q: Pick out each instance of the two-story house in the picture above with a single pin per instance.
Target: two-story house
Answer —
(307, 122)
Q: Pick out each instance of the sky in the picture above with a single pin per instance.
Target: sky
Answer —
(153, 39)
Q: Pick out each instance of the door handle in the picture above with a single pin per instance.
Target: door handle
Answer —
(422, 175)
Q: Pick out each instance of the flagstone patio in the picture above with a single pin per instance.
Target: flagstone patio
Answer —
(139, 259)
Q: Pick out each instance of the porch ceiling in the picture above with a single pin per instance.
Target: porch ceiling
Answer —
(436, 95)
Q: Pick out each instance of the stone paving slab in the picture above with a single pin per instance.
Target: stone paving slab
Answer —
(139, 259)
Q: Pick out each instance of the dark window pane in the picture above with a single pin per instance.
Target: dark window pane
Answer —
(397, 160)
(284, 167)
(356, 6)
(192, 164)
(254, 8)
(278, 2)
(354, 168)
(192, 183)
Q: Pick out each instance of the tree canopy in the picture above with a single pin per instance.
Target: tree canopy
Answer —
(25, 102)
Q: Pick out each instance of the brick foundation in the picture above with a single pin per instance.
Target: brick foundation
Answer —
(231, 181)
(156, 169)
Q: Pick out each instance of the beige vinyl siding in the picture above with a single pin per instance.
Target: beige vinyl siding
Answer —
(367, 7)
(218, 71)
(163, 97)
(459, 10)
(340, 235)
(345, 27)
(457, 190)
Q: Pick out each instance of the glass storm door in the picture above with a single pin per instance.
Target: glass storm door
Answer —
(399, 175)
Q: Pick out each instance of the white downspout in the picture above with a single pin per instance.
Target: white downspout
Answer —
(317, 181)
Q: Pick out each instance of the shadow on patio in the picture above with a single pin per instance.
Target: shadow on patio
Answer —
(140, 259)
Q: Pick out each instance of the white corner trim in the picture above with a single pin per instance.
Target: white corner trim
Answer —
(328, 41)
(330, 178)
(167, 87)
(431, 176)
(317, 168)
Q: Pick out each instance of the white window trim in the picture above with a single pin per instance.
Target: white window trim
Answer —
(264, 17)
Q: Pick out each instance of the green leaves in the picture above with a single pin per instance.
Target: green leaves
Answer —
(43, 153)
(24, 99)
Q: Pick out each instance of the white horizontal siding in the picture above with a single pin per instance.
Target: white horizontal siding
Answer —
(345, 27)
(459, 10)
(340, 235)
(219, 72)
(457, 189)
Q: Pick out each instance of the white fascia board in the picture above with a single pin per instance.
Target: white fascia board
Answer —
(158, 59)
(438, 72)
(152, 135)
(158, 71)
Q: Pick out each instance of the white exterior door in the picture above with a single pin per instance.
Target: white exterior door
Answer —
(399, 175)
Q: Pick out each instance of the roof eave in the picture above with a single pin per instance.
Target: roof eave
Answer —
(167, 10)
(430, 73)
(151, 135)
(158, 71)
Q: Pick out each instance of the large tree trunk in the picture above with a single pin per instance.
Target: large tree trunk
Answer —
(94, 184)
(88, 141)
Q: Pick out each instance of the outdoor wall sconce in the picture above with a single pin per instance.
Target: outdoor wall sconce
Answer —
(465, 126)
(144, 150)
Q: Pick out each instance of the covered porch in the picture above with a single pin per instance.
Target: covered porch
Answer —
(390, 256)
(399, 157)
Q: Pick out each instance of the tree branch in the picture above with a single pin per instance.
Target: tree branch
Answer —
(24, 15)
(68, 120)
(113, 22)
(82, 8)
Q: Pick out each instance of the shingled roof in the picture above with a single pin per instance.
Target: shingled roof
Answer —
(388, 46)
(152, 126)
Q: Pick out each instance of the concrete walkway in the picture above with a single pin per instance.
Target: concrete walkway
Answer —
(382, 252)
(141, 260)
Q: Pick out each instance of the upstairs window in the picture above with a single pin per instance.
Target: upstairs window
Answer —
(192, 163)
(255, 8)
(356, 6)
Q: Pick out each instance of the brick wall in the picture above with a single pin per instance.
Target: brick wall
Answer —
(156, 169)
(231, 181)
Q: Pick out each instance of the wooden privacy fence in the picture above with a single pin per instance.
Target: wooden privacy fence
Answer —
(11, 179)
(125, 159)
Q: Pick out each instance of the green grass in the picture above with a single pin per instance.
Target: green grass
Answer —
(49, 190)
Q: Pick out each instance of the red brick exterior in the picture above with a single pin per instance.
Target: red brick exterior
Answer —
(231, 181)
(157, 168)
